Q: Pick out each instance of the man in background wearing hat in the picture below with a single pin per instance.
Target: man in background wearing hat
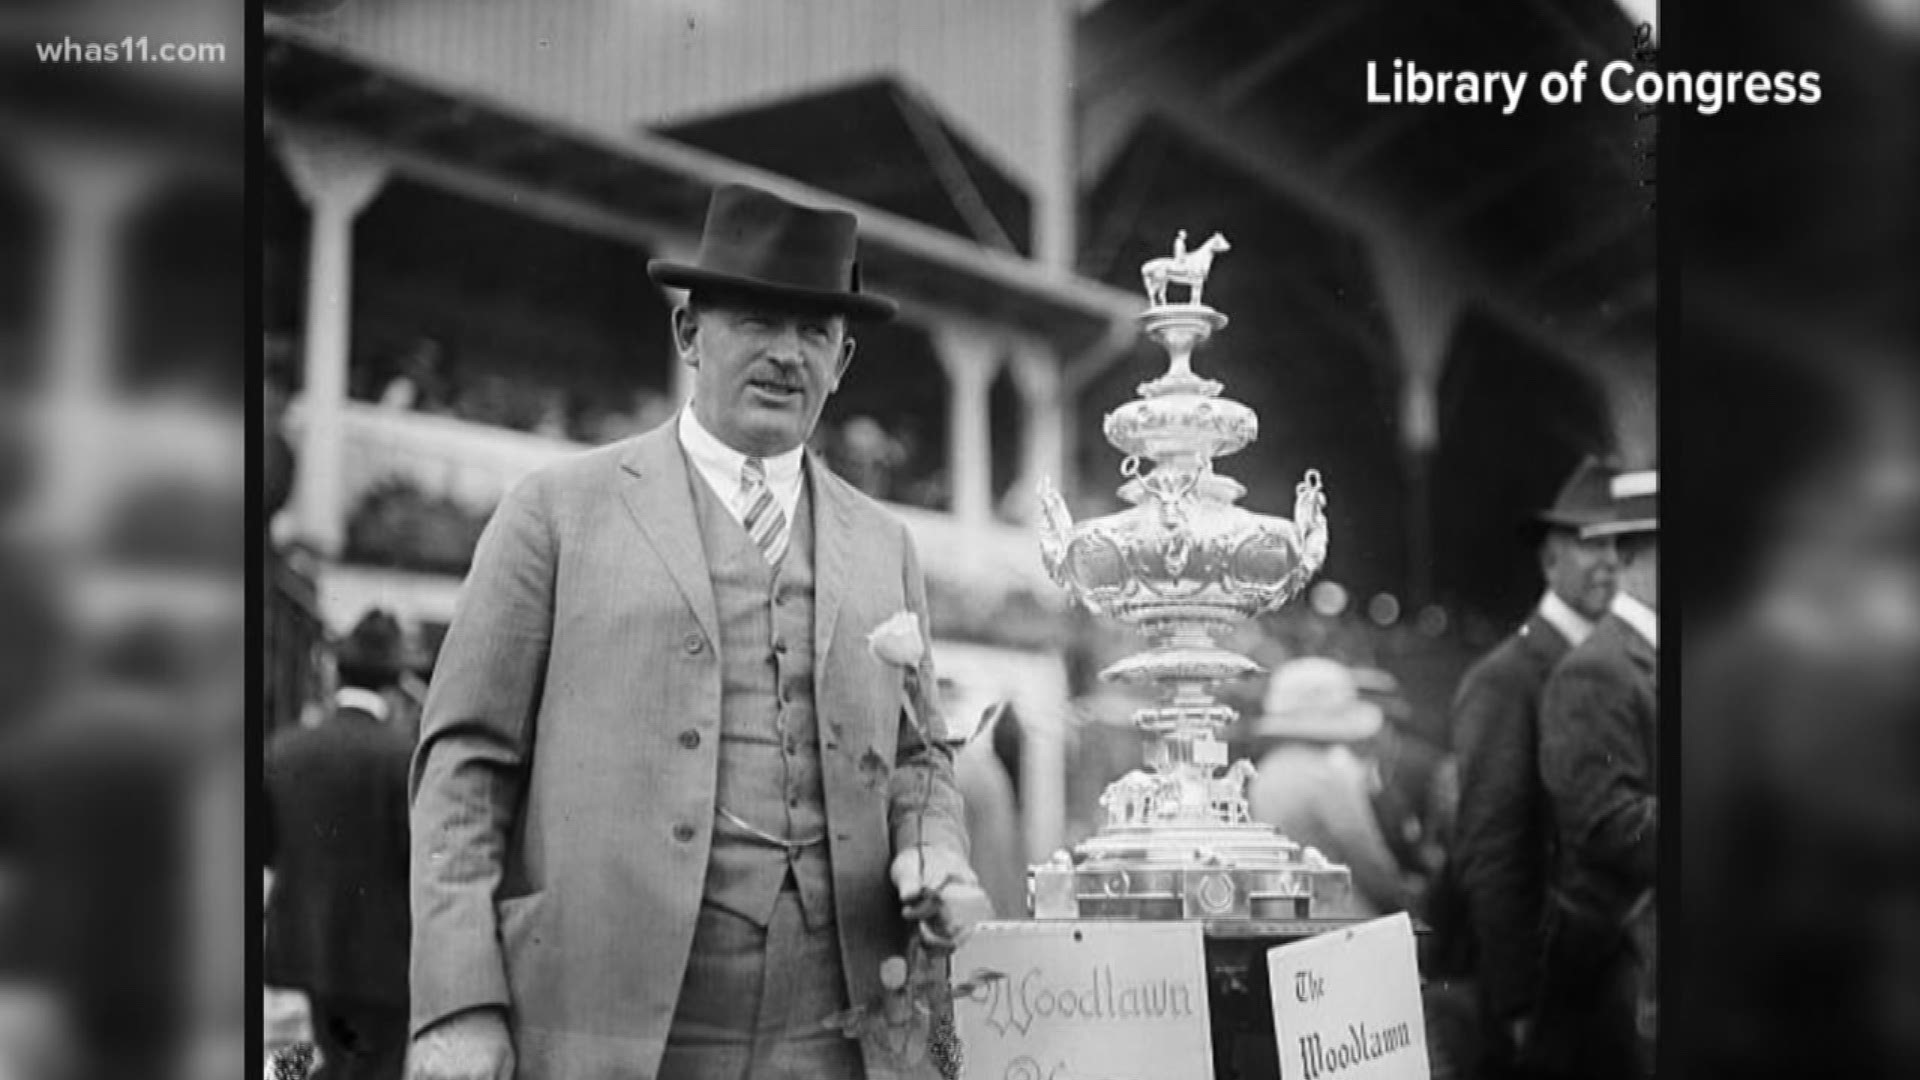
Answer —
(1317, 785)
(1598, 737)
(336, 829)
(1503, 834)
(671, 810)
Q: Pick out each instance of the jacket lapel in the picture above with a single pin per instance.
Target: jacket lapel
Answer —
(661, 505)
(832, 537)
(1543, 640)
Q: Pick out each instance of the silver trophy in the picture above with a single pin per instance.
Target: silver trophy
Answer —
(1184, 566)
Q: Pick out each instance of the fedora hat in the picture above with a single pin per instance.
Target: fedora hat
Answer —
(1636, 505)
(757, 243)
(1584, 500)
(1318, 699)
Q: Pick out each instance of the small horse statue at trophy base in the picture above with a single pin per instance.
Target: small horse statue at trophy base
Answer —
(1187, 268)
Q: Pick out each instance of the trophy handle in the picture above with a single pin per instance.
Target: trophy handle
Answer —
(1056, 529)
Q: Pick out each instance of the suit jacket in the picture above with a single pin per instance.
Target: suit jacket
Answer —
(1598, 745)
(337, 924)
(1502, 837)
(565, 781)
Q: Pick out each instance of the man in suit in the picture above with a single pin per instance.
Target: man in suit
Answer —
(337, 921)
(671, 810)
(1499, 864)
(1598, 737)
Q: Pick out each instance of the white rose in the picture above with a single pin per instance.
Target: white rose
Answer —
(897, 641)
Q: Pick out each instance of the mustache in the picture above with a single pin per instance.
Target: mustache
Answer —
(776, 377)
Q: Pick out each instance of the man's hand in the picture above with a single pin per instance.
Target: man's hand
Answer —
(943, 896)
(472, 1045)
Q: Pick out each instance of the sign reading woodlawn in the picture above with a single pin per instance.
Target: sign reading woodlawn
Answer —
(1346, 1004)
(1085, 1001)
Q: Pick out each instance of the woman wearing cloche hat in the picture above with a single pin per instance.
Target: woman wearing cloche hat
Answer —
(1315, 783)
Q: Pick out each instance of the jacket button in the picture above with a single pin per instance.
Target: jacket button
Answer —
(780, 646)
(694, 643)
(683, 833)
(690, 738)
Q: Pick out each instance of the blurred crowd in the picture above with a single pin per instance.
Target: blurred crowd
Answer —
(427, 377)
(887, 460)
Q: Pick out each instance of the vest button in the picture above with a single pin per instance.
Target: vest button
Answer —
(694, 643)
(780, 646)
(683, 833)
(690, 738)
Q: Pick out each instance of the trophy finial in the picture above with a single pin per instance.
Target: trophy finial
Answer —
(1189, 268)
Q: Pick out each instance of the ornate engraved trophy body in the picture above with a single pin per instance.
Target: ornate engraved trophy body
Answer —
(1183, 566)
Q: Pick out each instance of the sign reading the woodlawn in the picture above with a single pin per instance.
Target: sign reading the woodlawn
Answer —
(1346, 1004)
(1085, 1001)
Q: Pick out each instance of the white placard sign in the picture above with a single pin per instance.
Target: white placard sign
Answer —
(1085, 1001)
(1346, 1004)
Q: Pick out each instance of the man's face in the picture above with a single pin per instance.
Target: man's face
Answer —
(1584, 573)
(762, 373)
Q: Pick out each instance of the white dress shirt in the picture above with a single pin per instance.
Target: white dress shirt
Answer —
(720, 465)
(1560, 615)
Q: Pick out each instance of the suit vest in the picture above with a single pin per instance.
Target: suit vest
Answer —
(769, 740)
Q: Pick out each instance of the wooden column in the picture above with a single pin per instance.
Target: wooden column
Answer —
(970, 359)
(90, 192)
(1423, 305)
(680, 381)
(337, 179)
(1055, 202)
(1043, 452)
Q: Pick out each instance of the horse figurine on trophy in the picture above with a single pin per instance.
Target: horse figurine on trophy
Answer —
(1187, 268)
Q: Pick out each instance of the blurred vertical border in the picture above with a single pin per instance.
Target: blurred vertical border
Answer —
(1789, 243)
(124, 273)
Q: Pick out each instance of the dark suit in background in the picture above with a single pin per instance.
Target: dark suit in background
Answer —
(338, 925)
(1598, 740)
(1503, 836)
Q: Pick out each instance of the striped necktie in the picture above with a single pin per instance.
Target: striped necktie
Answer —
(763, 518)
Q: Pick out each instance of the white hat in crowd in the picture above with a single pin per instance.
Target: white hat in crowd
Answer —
(1316, 698)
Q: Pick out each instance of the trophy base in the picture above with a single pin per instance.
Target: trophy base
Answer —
(1212, 871)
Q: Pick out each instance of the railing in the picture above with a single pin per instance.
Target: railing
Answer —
(475, 464)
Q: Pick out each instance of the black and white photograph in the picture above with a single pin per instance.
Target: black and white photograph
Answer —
(959, 540)
(992, 539)
(785, 514)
